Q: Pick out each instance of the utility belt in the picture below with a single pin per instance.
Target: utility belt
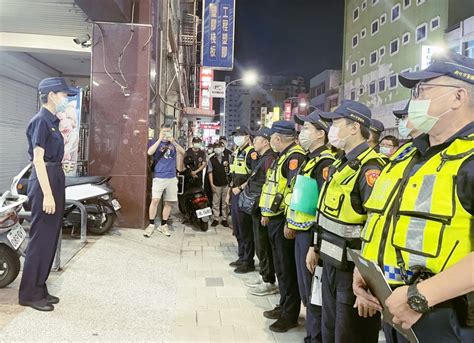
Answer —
(333, 249)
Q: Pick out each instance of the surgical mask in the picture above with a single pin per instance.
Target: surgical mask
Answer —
(385, 150)
(403, 129)
(239, 140)
(197, 145)
(61, 106)
(305, 140)
(219, 150)
(419, 117)
(333, 137)
(210, 151)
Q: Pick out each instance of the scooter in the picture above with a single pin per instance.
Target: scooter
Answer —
(94, 192)
(12, 237)
(192, 200)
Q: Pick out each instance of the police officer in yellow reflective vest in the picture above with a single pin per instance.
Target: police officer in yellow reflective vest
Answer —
(421, 211)
(243, 161)
(277, 186)
(341, 216)
(300, 217)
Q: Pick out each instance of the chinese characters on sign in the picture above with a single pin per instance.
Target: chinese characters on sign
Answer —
(287, 109)
(218, 34)
(206, 78)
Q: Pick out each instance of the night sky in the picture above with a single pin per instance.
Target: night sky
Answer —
(301, 37)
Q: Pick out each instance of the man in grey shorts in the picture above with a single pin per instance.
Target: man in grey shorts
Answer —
(164, 152)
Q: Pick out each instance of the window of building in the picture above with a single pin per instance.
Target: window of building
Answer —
(355, 14)
(353, 68)
(395, 12)
(374, 27)
(394, 46)
(381, 52)
(355, 40)
(364, 5)
(372, 88)
(406, 38)
(361, 91)
(393, 81)
(374, 2)
(373, 57)
(362, 62)
(434, 24)
(406, 4)
(383, 19)
(420, 2)
(421, 33)
(382, 85)
(363, 33)
(353, 94)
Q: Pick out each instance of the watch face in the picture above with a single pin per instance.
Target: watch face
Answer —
(418, 303)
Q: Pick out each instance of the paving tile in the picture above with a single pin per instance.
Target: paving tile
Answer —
(214, 282)
(222, 334)
(208, 318)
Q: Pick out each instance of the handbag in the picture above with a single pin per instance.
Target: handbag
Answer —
(248, 201)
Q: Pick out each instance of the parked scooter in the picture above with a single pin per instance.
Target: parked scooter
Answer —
(94, 192)
(192, 200)
(12, 237)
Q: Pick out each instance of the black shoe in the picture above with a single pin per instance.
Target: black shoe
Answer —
(40, 305)
(244, 269)
(273, 314)
(215, 223)
(225, 223)
(51, 299)
(236, 263)
(283, 325)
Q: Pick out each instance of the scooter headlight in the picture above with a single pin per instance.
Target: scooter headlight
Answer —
(105, 197)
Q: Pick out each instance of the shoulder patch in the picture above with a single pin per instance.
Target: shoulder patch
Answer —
(325, 173)
(371, 176)
(293, 164)
(254, 155)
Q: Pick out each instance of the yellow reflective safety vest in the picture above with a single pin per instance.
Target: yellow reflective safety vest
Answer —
(418, 220)
(336, 213)
(298, 220)
(276, 183)
(238, 166)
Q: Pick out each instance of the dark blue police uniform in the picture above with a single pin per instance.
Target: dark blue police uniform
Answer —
(43, 131)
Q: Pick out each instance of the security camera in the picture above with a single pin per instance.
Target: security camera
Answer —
(83, 40)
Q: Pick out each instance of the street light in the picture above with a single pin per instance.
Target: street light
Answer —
(249, 78)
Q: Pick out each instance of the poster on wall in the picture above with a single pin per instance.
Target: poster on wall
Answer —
(69, 124)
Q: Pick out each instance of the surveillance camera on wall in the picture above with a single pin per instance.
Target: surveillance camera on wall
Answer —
(83, 40)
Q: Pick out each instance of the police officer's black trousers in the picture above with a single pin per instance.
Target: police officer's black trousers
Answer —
(44, 235)
(246, 235)
(263, 249)
(340, 320)
(235, 214)
(285, 267)
(305, 278)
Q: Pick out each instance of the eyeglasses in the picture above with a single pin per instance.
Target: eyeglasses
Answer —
(420, 87)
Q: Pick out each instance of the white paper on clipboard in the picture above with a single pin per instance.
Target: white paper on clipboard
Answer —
(380, 288)
(316, 296)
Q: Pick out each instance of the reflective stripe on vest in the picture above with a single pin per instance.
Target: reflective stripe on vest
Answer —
(275, 183)
(340, 229)
(298, 220)
(239, 162)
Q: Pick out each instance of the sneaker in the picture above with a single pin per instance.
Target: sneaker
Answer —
(215, 223)
(236, 263)
(266, 288)
(224, 223)
(149, 230)
(283, 325)
(164, 230)
(254, 282)
(273, 314)
(244, 269)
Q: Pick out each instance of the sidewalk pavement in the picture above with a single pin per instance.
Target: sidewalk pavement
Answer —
(124, 287)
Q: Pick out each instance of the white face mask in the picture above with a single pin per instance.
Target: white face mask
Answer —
(385, 150)
(333, 137)
(305, 139)
(403, 129)
(239, 140)
(418, 114)
(197, 145)
(219, 150)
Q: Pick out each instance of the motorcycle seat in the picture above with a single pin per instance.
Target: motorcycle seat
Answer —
(82, 180)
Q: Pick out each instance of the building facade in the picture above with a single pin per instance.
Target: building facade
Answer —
(324, 89)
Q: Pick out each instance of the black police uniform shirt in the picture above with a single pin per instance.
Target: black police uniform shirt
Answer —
(292, 164)
(250, 162)
(257, 182)
(43, 131)
(367, 176)
(199, 158)
(465, 176)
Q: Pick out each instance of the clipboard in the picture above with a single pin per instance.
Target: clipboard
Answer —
(379, 287)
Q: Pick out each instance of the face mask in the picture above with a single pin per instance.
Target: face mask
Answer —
(334, 139)
(385, 150)
(418, 114)
(61, 106)
(219, 150)
(210, 151)
(197, 145)
(305, 139)
(403, 130)
(239, 140)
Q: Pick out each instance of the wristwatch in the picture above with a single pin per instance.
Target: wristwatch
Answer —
(416, 300)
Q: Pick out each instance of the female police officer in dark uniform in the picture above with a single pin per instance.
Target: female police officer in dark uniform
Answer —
(46, 193)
